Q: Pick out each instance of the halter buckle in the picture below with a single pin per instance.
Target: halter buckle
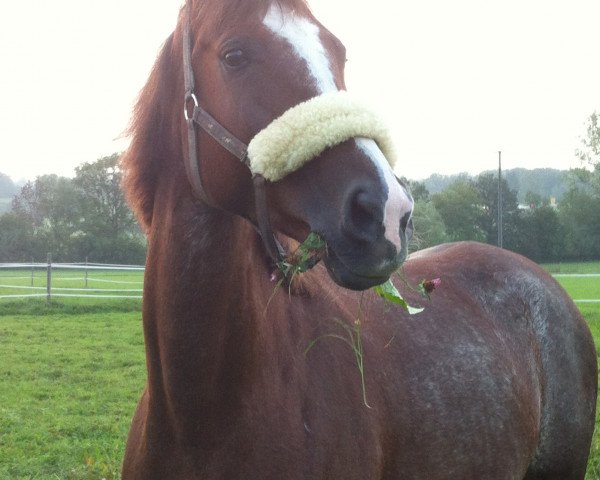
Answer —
(186, 102)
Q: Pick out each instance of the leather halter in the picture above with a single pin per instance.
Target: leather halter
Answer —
(228, 141)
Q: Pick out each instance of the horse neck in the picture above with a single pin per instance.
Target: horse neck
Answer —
(200, 314)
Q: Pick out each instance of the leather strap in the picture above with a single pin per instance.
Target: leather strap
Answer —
(192, 169)
(273, 248)
(226, 140)
(221, 134)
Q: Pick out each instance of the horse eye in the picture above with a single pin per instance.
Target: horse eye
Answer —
(235, 58)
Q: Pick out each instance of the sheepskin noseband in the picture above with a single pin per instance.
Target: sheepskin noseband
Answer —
(306, 130)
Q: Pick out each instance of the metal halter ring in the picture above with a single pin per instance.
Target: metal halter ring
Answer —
(185, 104)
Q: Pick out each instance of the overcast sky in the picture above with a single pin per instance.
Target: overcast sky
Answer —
(457, 81)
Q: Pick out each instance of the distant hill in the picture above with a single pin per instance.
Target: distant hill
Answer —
(8, 189)
(546, 182)
(436, 183)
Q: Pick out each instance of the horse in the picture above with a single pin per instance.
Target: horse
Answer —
(255, 376)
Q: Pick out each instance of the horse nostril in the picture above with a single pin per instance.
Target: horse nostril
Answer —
(406, 225)
(364, 218)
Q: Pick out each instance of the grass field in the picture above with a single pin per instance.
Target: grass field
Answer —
(581, 288)
(71, 375)
(68, 387)
(591, 312)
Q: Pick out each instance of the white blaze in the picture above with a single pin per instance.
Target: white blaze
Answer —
(303, 36)
(398, 202)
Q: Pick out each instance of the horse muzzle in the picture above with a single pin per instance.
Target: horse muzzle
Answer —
(364, 269)
(361, 250)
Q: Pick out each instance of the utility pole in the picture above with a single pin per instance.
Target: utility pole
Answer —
(500, 199)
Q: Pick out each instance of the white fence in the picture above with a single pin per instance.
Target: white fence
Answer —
(101, 280)
(77, 280)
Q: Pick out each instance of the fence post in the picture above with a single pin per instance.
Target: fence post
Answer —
(49, 279)
(86, 272)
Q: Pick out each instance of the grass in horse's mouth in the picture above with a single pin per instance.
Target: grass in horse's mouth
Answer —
(306, 256)
(311, 251)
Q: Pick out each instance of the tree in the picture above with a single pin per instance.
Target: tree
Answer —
(429, 228)
(418, 190)
(103, 204)
(75, 219)
(108, 230)
(580, 209)
(51, 208)
(589, 154)
(543, 235)
(17, 242)
(460, 208)
(535, 200)
(487, 186)
(579, 215)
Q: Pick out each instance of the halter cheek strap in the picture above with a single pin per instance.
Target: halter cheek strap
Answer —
(191, 166)
(202, 118)
(228, 141)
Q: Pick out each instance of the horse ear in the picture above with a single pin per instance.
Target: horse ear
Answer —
(141, 162)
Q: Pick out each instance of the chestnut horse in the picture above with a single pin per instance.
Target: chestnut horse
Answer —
(496, 379)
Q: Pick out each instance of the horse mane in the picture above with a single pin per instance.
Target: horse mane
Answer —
(152, 122)
(141, 163)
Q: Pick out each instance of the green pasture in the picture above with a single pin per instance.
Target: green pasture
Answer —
(70, 288)
(581, 288)
(68, 387)
(71, 374)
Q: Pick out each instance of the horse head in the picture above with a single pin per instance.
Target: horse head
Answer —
(252, 63)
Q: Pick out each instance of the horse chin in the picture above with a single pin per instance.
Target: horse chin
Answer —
(347, 278)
